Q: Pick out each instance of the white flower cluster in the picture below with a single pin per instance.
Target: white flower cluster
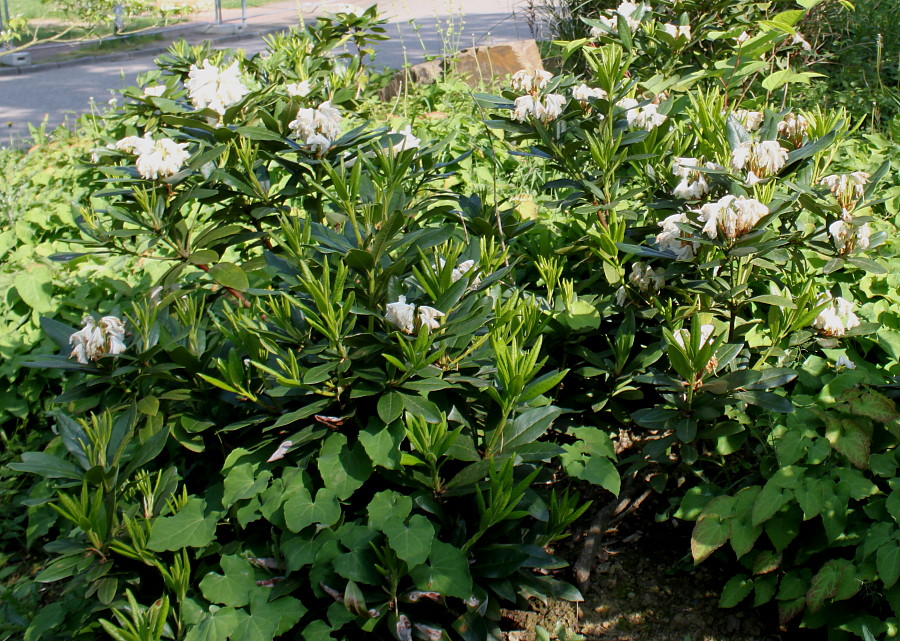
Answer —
(843, 362)
(761, 159)
(678, 31)
(641, 117)
(530, 80)
(644, 278)
(836, 319)
(693, 184)
(627, 10)
(734, 216)
(752, 120)
(460, 271)
(210, 87)
(407, 317)
(155, 158)
(848, 237)
(848, 189)
(96, 339)
(545, 109)
(582, 93)
(675, 240)
(317, 127)
(298, 89)
(793, 127)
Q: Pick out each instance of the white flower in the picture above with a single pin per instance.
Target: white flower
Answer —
(836, 319)
(677, 31)
(97, 339)
(642, 117)
(318, 144)
(848, 189)
(733, 216)
(848, 237)
(741, 39)
(530, 80)
(693, 184)
(760, 159)
(344, 7)
(793, 127)
(401, 314)
(409, 140)
(683, 336)
(582, 93)
(210, 87)
(528, 106)
(843, 362)
(428, 317)
(752, 120)
(324, 120)
(298, 89)
(155, 158)
(621, 296)
(645, 278)
(798, 39)
(673, 239)
(156, 91)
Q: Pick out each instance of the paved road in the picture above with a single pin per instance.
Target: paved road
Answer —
(417, 28)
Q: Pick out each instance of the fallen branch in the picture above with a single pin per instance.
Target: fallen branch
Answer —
(630, 497)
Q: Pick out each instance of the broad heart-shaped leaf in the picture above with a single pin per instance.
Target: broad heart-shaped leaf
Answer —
(735, 591)
(589, 458)
(382, 442)
(390, 407)
(242, 483)
(343, 469)
(189, 528)
(768, 502)
(286, 611)
(447, 572)
(827, 582)
(233, 587)
(710, 533)
(230, 275)
(253, 627)
(887, 560)
(524, 429)
(35, 288)
(301, 511)
(214, 627)
(388, 506)
(873, 405)
(412, 543)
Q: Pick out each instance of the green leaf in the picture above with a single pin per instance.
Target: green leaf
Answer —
(412, 543)
(47, 465)
(766, 400)
(233, 588)
(447, 572)
(48, 618)
(787, 76)
(252, 627)
(736, 590)
(827, 582)
(382, 443)
(214, 627)
(190, 527)
(390, 407)
(241, 483)
(35, 288)
(230, 275)
(887, 560)
(286, 611)
(419, 406)
(873, 405)
(770, 299)
(387, 506)
(767, 503)
(525, 428)
(709, 534)
(301, 511)
(343, 469)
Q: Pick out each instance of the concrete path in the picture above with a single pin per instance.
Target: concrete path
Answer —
(417, 28)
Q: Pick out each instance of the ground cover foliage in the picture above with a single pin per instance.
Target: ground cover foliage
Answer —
(346, 365)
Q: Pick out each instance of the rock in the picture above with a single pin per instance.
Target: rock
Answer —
(422, 73)
(476, 65)
(479, 65)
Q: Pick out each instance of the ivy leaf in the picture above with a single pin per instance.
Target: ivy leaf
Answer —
(736, 590)
(252, 627)
(767, 503)
(301, 511)
(191, 527)
(343, 469)
(241, 483)
(232, 588)
(388, 506)
(710, 533)
(411, 543)
(382, 443)
(447, 572)
(214, 627)
(827, 582)
(35, 288)
(887, 560)
(286, 611)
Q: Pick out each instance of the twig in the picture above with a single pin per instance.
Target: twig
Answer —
(612, 512)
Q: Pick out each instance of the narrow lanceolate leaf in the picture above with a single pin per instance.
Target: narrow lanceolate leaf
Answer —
(710, 533)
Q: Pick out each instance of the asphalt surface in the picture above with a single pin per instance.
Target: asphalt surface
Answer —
(418, 28)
